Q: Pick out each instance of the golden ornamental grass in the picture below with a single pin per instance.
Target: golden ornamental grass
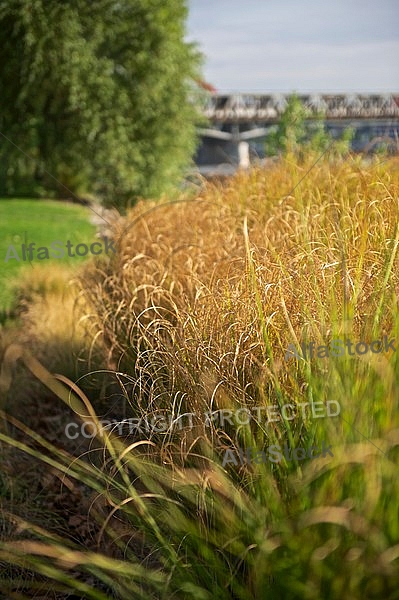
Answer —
(195, 313)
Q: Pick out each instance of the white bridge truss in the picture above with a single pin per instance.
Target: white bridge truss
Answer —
(237, 108)
(236, 120)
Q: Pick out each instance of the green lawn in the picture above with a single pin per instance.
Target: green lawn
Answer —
(40, 221)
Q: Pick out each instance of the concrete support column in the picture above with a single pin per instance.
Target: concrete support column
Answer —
(243, 155)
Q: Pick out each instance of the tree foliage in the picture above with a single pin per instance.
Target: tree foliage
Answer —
(299, 132)
(98, 93)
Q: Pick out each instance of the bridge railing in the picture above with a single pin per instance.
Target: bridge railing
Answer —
(260, 107)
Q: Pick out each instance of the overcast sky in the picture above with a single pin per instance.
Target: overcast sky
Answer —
(301, 45)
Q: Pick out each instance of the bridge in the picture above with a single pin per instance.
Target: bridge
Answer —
(240, 123)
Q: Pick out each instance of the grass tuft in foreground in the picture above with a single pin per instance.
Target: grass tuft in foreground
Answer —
(195, 314)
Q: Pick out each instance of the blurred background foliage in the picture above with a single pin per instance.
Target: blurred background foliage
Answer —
(299, 133)
(99, 95)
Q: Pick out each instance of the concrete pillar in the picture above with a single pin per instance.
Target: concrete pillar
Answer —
(243, 155)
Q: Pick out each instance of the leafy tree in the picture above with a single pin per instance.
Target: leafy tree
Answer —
(290, 132)
(299, 133)
(98, 93)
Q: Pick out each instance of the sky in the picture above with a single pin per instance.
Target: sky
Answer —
(298, 45)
